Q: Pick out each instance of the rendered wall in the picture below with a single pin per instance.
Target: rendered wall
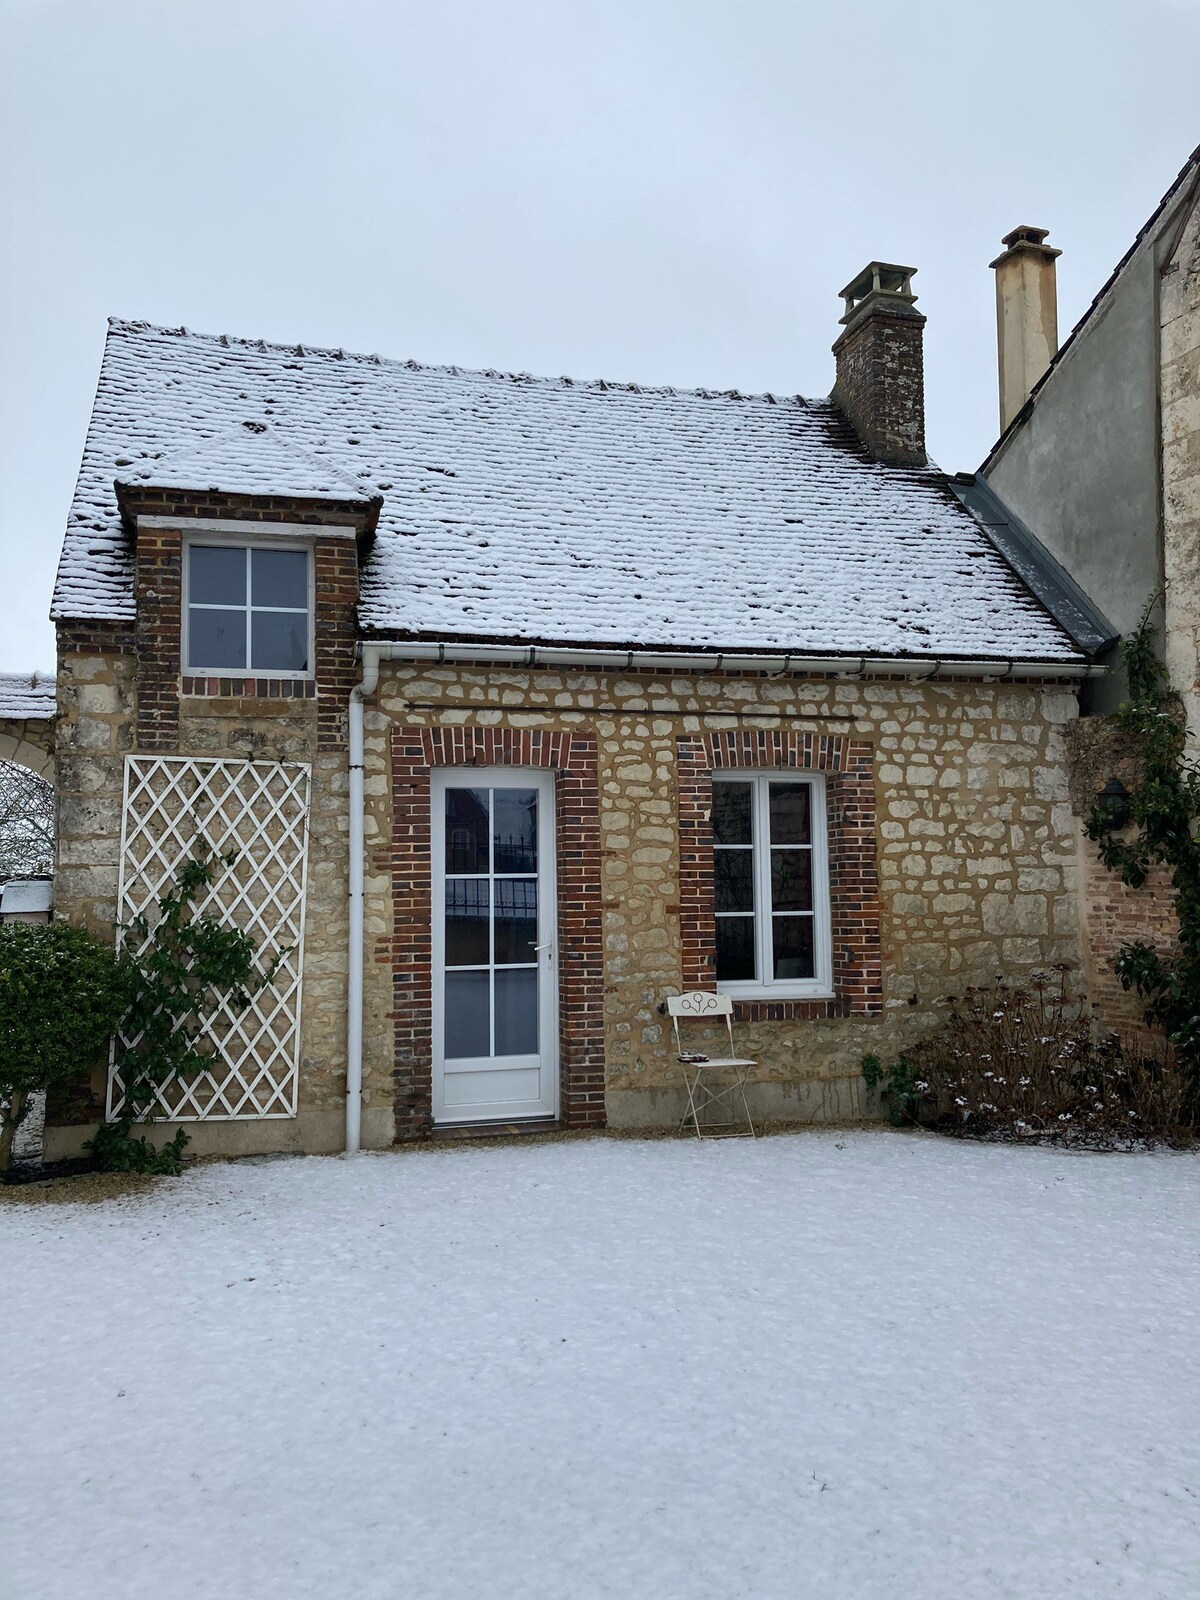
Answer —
(1082, 469)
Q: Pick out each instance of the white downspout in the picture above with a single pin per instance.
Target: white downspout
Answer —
(357, 845)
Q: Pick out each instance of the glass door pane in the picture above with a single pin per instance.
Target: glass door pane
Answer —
(491, 923)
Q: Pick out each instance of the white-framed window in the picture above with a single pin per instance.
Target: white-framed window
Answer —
(771, 869)
(247, 608)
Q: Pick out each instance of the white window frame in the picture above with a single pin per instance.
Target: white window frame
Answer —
(820, 985)
(208, 540)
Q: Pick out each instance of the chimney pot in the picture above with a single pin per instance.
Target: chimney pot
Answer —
(880, 385)
(1026, 315)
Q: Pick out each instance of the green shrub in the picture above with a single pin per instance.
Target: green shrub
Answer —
(903, 1098)
(62, 995)
(115, 1149)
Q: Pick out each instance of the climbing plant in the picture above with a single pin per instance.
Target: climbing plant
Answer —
(181, 963)
(1154, 824)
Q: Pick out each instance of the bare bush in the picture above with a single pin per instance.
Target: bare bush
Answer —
(1032, 1063)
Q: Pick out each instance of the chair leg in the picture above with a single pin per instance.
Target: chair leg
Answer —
(745, 1106)
(691, 1085)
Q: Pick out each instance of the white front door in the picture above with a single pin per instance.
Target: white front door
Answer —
(495, 948)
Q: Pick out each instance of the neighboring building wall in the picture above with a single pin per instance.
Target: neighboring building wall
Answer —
(974, 847)
(1081, 470)
(1181, 460)
(1103, 465)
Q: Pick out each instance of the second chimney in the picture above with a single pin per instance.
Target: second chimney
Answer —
(880, 385)
(1026, 315)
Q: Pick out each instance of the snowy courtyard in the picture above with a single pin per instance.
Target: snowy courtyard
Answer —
(859, 1366)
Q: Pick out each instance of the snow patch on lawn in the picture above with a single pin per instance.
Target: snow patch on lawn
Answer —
(860, 1365)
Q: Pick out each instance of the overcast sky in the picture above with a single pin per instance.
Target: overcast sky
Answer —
(665, 191)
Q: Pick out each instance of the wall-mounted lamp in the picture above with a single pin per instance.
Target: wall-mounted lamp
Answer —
(1113, 804)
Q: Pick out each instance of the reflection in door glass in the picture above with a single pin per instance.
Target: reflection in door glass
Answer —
(467, 922)
(514, 829)
(516, 921)
(466, 830)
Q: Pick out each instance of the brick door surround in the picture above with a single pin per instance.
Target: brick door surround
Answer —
(849, 768)
(572, 757)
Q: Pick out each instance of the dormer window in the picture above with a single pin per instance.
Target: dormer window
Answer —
(248, 608)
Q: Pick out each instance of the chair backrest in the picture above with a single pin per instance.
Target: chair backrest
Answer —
(699, 1006)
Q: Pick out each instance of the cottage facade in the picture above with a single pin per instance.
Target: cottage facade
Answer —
(518, 705)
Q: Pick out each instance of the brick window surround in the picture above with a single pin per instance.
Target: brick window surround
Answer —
(158, 586)
(416, 751)
(849, 768)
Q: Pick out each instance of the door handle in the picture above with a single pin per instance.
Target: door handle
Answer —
(549, 945)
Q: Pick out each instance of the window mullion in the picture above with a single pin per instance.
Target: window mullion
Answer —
(249, 608)
(762, 871)
(491, 900)
(822, 900)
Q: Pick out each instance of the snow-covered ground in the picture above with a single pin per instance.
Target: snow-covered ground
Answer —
(839, 1366)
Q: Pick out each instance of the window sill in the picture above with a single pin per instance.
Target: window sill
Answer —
(248, 687)
(812, 1009)
(759, 991)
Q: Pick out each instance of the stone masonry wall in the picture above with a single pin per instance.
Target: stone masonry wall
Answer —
(976, 852)
(97, 725)
(1180, 312)
(113, 701)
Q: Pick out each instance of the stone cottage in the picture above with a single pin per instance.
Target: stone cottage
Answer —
(520, 704)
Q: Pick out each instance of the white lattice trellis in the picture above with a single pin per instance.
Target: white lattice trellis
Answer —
(256, 813)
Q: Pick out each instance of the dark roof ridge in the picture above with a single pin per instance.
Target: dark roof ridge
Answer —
(123, 325)
(1190, 165)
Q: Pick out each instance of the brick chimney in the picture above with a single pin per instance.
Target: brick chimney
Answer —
(880, 384)
(1026, 315)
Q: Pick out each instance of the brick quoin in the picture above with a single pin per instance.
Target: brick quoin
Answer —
(158, 589)
(849, 768)
(96, 639)
(572, 757)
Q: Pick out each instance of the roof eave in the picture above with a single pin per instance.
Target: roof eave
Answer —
(464, 650)
(1088, 629)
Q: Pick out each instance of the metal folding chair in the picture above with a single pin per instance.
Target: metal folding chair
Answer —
(703, 1092)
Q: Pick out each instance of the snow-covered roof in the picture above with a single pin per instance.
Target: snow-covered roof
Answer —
(251, 459)
(26, 895)
(552, 511)
(27, 696)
